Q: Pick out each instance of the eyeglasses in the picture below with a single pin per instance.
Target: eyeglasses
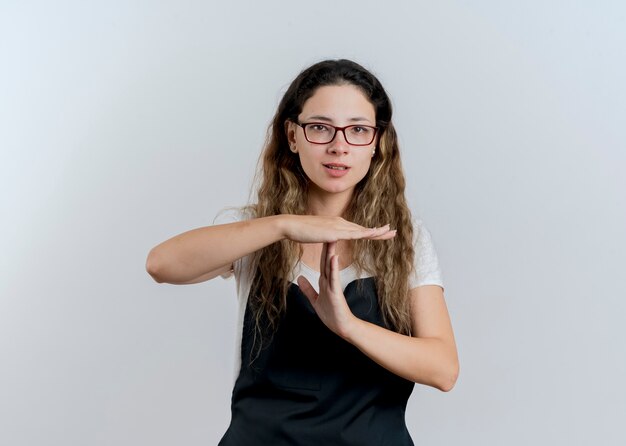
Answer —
(323, 133)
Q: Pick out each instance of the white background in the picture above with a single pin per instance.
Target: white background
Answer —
(123, 123)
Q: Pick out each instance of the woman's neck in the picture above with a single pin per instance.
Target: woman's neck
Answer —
(328, 204)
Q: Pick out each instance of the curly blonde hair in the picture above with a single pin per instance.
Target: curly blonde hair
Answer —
(378, 199)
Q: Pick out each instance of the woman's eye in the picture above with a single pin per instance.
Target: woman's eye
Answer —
(360, 130)
(318, 128)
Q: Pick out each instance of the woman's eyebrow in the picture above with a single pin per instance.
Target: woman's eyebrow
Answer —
(357, 119)
(320, 118)
(327, 119)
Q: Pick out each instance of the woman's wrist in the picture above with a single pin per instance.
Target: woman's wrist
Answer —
(348, 332)
(284, 224)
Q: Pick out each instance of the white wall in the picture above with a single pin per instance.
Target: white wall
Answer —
(123, 123)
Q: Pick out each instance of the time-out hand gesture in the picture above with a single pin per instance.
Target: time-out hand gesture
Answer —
(330, 303)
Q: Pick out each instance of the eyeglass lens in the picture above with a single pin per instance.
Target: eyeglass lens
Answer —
(354, 134)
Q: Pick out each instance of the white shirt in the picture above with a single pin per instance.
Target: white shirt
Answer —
(427, 270)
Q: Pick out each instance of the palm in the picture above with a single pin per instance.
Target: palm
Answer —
(319, 229)
(330, 303)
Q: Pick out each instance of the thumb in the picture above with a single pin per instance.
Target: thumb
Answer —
(307, 289)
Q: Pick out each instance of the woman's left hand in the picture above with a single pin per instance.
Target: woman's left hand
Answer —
(330, 303)
(429, 359)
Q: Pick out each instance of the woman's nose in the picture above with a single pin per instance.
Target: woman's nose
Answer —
(339, 143)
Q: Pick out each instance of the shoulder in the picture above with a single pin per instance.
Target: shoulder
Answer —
(422, 237)
(233, 214)
(427, 270)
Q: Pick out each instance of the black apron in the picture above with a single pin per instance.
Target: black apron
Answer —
(307, 386)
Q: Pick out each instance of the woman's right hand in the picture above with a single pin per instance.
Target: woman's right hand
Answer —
(318, 229)
(203, 253)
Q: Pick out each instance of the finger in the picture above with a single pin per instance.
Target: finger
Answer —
(386, 236)
(307, 289)
(335, 284)
(329, 258)
(381, 231)
(323, 261)
(368, 232)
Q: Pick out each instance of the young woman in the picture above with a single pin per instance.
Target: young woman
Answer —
(340, 290)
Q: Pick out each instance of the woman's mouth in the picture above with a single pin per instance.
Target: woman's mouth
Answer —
(336, 170)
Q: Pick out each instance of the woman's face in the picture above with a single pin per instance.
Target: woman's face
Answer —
(335, 167)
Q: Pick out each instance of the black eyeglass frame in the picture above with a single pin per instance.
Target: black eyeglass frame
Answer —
(337, 129)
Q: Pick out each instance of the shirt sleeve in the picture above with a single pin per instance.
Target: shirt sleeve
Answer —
(225, 216)
(427, 269)
(228, 215)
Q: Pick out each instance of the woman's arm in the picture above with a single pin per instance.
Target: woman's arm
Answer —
(429, 358)
(204, 253)
(210, 250)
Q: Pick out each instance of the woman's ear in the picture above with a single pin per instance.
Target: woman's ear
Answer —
(376, 144)
(290, 131)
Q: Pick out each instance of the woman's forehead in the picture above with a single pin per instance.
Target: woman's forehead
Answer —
(345, 103)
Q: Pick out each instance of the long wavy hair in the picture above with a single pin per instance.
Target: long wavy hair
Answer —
(282, 188)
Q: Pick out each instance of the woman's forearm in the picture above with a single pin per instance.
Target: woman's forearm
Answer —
(429, 361)
(199, 251)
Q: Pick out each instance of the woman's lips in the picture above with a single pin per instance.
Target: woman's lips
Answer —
(336, 169)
